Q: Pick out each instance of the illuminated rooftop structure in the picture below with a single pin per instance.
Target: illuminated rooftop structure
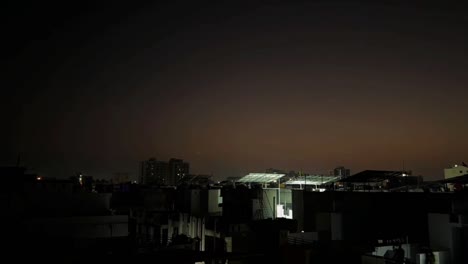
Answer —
(261, 177)
(375, 176)
(313, 180)
(456, 171)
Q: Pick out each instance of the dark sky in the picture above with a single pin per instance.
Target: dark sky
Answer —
(234, 88)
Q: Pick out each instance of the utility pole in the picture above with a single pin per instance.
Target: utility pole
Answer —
(274, 208)
(279, 195)
(305, 180)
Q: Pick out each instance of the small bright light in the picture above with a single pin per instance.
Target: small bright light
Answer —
(404, 174)
(302, 231)
(456, 165)
(38, 178)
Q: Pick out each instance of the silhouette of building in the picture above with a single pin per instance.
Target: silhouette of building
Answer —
(51, 219)
(155, 172)
(341, 172)
(120, 177)
(178, 169)
(196, 180)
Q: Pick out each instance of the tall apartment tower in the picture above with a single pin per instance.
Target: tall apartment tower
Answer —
(177, 170)
(153, 171)
(156, 172)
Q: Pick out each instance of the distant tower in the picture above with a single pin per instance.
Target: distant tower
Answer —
(153, 171)
(341, 172)
(177, 170)
(157, 172)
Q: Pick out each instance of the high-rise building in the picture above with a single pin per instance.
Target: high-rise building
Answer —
(341, 172)
(154, 172)
(162, 172)
(177, 170)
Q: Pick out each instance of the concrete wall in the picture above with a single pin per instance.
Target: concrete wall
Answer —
(65, 204)
(195, 203)
(214, 199)
(440, 231)
(410, 250)
(270, 199)
(366, 259)
(191, 226)
(448, 236)
(359, 216)
(306, 236)
(80, 227)
(336, 226)
(440, 257)
(455, 171)
(298, 208)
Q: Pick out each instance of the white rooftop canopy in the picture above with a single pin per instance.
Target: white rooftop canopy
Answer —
(261, 177)
(313, 180)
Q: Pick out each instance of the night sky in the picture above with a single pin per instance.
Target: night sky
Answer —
(234, 88)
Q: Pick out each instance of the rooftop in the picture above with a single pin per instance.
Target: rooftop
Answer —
(313, 180)
(261, 177)
(373, 176)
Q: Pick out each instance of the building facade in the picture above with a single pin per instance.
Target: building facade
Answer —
(341, 172)
(178, 169)
(156, 172)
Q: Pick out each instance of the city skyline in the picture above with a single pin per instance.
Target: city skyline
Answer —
(235, 88)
